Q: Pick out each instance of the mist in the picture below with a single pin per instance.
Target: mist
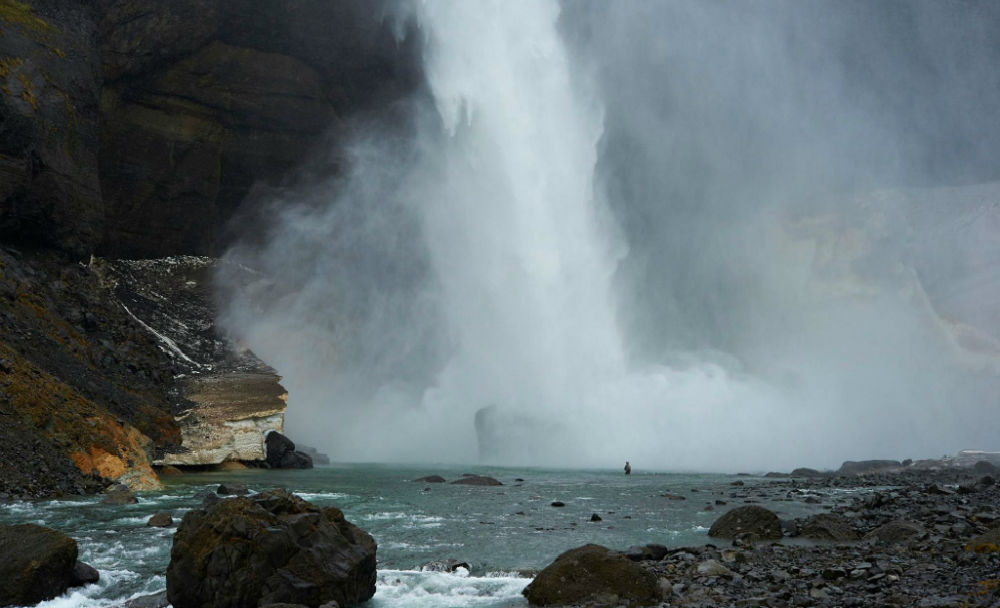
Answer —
(694, 235)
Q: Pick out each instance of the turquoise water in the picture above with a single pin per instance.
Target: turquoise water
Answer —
(503, 532)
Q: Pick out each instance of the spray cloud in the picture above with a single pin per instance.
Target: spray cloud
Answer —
(671, 232)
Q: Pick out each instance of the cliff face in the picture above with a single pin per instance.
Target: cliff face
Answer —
(50, 80)
(232, 398)
(135, 128)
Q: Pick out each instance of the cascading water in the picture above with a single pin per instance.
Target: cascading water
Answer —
(515, 229)
(461, 292)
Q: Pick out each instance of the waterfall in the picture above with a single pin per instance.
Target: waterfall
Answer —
(574, 265)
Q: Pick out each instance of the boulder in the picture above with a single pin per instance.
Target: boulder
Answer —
(985, 467)
(281, 453)
(156, 600)
(208, 498)
(119, 495)
(295, 460)
(710, 567)
(84, 574)
(477, 480)
(640, 553)
(276, 446)
(827, 526)
(37, 564)
(897, 531)
(160, 520)
(273, 547)
(235, 489)
(431, 479)
(756, 521)
(593, 575)
(316, 456)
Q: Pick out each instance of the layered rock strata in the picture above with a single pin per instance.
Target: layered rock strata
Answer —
(234, 400)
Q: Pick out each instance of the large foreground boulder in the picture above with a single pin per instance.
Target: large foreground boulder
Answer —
(37, 564)
(593, 575)
(270, 548)
(755, 521)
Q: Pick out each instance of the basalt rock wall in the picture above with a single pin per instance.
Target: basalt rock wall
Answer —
(135, 128)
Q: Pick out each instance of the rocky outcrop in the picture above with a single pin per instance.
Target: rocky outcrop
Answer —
(862, 467)
(755, 521)
(37, 564)
(270, 548)
(84, 389)
(233, 399)
(232, 413)
(595, 576)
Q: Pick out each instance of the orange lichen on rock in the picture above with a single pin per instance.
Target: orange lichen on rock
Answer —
(985, 543)
(91, 436)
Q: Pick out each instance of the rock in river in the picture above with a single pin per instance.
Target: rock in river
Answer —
(273, 547)
(477, 480)
(37, 564)
(753, 520)
(595, 576)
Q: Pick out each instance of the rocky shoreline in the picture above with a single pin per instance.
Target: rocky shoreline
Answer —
(891, 535)
(910, 537)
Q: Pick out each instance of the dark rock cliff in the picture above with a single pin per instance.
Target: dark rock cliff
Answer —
(50, 83)
(135, 129)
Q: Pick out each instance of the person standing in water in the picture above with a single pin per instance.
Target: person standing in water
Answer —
(628, 468)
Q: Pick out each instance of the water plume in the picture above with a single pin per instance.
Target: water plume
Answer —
(667, 233)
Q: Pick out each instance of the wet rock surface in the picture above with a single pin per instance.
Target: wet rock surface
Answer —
(757, 522)
(38, 563)
(281, 453)
(922, 544)
(593, 574)
(477, 480)
(270, 548)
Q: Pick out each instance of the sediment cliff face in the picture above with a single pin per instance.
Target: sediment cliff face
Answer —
(135, 129)
(232, 398)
